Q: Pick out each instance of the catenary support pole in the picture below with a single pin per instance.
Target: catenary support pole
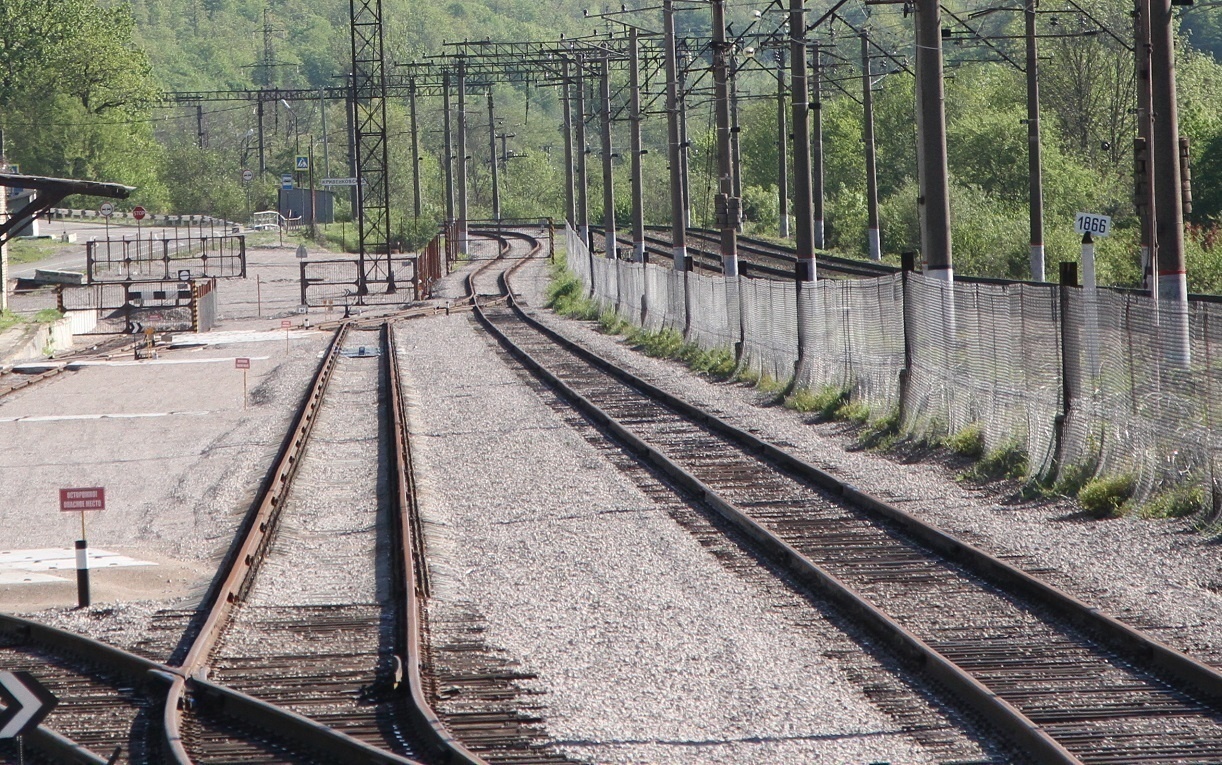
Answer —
(736, 176)
(728, 204)
(570, 204)
(1143, 168)
(415, 128)
(934, 200)
(816, 143)
(1035, 195)
(262, 139)
(583, 152)
(678, 214)
(463, 244)
(634, 118)
(782, 148)
(492, 161)
(874, 244)
(610, 238)
(1169, 224)
(807, 228)
(448, 160)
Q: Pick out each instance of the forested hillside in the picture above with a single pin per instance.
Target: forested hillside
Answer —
(83, 84)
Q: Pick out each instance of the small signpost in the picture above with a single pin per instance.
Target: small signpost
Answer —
(184, 274)
(286, 181)
(78, 501)
(139, 212)
(26, 703)
(248, 176)
(303, 162)
(244, 365)
(106, 209)
(286, 325)
(301, 252)
(1095, 225)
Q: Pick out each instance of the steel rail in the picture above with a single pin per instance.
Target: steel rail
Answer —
(238, 570)
(1004, 716)
(141, 672)
(411, 579)
(1164, 661)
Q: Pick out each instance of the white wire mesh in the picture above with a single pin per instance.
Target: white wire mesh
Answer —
(578, 255)
(631, 306)
(857, 340)
(988, 356)
(770, 328)
(711, 324)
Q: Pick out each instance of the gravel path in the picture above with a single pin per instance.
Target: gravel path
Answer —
(648, 647)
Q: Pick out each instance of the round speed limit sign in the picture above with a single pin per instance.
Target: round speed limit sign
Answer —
(247, 176)
(106, 209)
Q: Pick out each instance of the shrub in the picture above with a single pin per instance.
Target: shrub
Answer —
(826, 401)
(968, 442)
(1175, 503)
(1010, 461)
(1104, 497)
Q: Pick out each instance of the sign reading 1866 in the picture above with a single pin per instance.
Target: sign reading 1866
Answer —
(1089, 223)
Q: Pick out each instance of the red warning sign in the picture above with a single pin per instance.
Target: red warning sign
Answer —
(77, 500)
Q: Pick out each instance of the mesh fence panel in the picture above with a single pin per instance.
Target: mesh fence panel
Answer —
(711, 323)
(770, 327)
(578, 255)
(631, 291)
(857, 334)
(658, 314)
(981, 355)
(604, 282)
(1135, 409)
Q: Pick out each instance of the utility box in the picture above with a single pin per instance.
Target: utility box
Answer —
(299, 204)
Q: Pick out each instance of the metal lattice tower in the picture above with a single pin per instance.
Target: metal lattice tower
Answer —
(369, 118)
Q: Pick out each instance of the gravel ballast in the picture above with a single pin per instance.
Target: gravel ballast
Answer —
(645, 647)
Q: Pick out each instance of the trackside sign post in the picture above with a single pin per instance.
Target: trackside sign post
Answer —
(26, 703)
(244, 365)
(78, 501)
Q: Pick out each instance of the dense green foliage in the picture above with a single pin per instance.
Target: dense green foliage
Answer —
(81, 84)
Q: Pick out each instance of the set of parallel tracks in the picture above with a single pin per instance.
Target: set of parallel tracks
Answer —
(350, 682)
(326, 679)
(1060, 681)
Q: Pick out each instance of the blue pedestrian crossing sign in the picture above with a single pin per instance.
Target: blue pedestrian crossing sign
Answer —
(286, 181)
(303, 162)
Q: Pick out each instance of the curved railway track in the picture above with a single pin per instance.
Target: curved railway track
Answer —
(1061, 681)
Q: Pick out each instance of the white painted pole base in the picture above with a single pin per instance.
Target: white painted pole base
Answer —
(1173, 318)
(1037, 262)
(874, 243)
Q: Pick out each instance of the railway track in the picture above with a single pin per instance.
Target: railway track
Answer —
(109, 699)
(1059, 680)
(12, 381)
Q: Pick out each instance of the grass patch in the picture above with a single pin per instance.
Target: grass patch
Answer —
(566, 295)
(718, 363)
(31, 250)
(1072, 479)
(610, 323)
(47, 316)
(8, 320)
(1177, 502)
(1107, 496)
(825, 402)
(1010, 461)
(968, 442)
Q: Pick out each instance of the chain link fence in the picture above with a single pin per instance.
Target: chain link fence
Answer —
(1080, 381)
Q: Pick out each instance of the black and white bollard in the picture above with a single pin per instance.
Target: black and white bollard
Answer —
(82, 574)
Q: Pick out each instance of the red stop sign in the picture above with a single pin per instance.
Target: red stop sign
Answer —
(138, 213)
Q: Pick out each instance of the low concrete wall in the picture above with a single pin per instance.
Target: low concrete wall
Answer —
(35, 341)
